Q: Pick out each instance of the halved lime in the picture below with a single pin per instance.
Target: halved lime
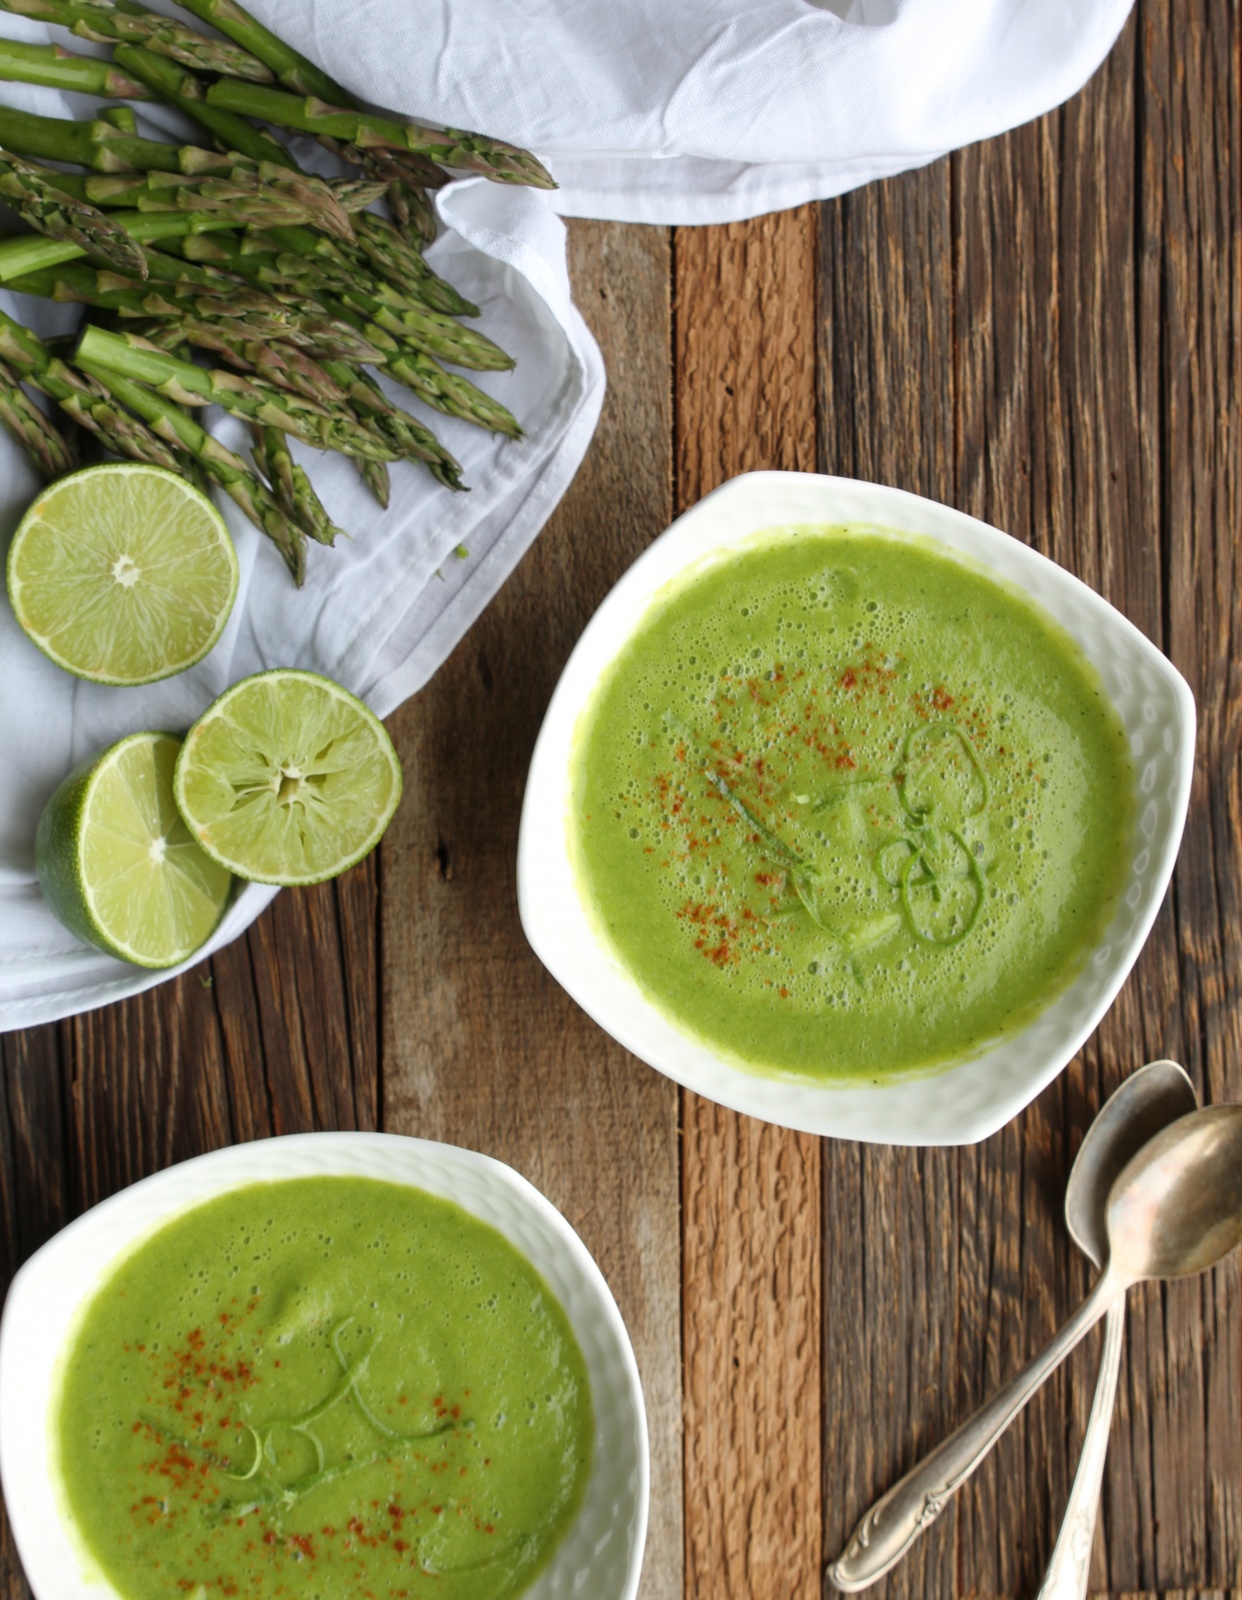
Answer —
(122, 573)
(287, 778)
(116, 862)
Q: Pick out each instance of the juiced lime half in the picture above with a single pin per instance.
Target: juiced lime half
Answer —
(287, 778)
(122, 573)
(116, 862)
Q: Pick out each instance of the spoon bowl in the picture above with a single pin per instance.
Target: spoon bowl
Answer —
(1176, 1208)
(1147, 1102)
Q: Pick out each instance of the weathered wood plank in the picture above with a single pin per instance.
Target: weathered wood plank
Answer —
(481, 1047)
(1186, 1375)
(886, 410)
(745, 399)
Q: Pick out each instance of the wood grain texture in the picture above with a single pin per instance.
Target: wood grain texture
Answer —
(745, 399)
(481, 1046)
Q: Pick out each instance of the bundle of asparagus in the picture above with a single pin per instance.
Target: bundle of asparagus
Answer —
(222, 273)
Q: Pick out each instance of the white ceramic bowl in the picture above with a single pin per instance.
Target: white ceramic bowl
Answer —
(602, 1553)
(962, 1102)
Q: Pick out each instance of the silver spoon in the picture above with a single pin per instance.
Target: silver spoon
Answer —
(1147, 1101)
(1175, 1209)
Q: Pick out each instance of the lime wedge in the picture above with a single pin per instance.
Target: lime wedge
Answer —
(117, 864)
(122, 573)
(287, 778)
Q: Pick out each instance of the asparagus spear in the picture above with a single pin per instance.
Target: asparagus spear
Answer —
(407, 178)
(432, 333)
(54, 68)
(104, 148)
(80, 397)
(290, 484)
(22, 253)
(381, 252)
(375, 475)
(444, 391)
(451, 147)
(250, 398)
(242, 196)
(412, 439)
(276, 362)
(495, 159)
(47, 447)
(288, 65)
(177, 87)
(113, 25)
(58, 215)
(245, 487)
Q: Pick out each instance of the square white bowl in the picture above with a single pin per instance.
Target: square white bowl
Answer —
(600, 1556)
(961, 1102)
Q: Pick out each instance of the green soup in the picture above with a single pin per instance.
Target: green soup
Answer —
(846, 806)
(324, 1387)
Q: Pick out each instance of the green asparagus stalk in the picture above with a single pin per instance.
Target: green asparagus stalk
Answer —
(53, 68)
(112, 25)
(288, 65)
(81, 398)
(443, 391)
(177, 87)
(48, 449)
(266, 258)
(105, 148)
(244, 487)
(432, 333)
(413, 440)
(250, 350)
(450, 147)
(380, 252)
(246, 315)
(398, 263)
(20, 253)
(290, 484)
(407, 178)
(375, 475)
(241, 196)
(58, 215)
(250, 398)
(424, 330)
(304, 78)
(180, 290)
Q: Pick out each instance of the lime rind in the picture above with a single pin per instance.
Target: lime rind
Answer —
(122, 574)
(117, 864)
(287, 778)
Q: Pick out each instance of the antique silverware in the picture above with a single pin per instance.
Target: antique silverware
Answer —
(1175, 1210)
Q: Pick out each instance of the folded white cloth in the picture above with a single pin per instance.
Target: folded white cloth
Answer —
(378, 613)
(710, 110)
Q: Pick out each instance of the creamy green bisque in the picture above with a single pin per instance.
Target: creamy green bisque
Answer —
(324, 1387)
(847, 806)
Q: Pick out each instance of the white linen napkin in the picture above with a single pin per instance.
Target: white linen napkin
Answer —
(378, 613)
(682, 111)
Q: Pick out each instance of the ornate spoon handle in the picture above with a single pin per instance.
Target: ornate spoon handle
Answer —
(1071, 1559)
(895, 1521)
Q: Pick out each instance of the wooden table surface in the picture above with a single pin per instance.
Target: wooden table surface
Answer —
(1043, 330)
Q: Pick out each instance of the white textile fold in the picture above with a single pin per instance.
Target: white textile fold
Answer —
(685, 111)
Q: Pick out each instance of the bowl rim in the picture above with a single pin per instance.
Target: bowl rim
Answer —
(885, 1112)
(142, 1208)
